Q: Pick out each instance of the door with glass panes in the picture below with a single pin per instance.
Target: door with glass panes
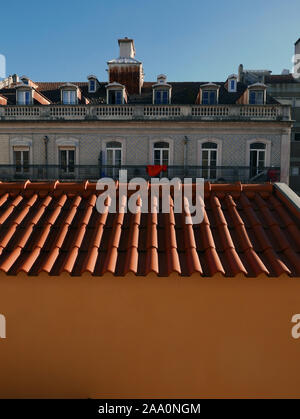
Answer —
(257, 158)
(21, 160)
(161, 154)
(113, 158)
(209, 160)
(67, 161)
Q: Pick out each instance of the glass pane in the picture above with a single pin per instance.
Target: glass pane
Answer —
(205, 97)
(63, 160)
(209, 145)
(65, 97)
(92, 85)
(252, 98)
(25, 161)
(71, 160)
(253, 163)
(161, 145)
(213, 158)
(165, 157)
(165, 97)
(18, 161)
(27, 98)
(261, 159)
(204, 158)
(156, 156)
(118, 97)
(118, 155)
(212, 98)
(72, 97)
(109, 157)
(157, 97)
(258, 146)
(259, 98)
(21, 98)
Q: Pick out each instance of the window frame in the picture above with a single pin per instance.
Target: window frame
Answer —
(90, 89)
(69, 91)
(209, 92)
(256, 92)
(25, 93)
(67, 149)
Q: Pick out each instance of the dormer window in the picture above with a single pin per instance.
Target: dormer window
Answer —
(70, 94)
(161, 97)
(162, 91)
(232, 83)
(93, 82)
(116, 94)
(209, 94)
(69, 97)
(256, 97)
(257, 94)
(209, 97)
(24, 97)
(92, 85)
(115, 97)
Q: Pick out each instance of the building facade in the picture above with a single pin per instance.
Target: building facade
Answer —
(285, 88)
(222, 131)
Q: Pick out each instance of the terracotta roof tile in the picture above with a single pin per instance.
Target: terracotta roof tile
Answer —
(55, 227)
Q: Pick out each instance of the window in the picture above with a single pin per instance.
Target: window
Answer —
(113, 158)
(257, 158)
(209, 97)
(297, 136)
(256, 97)
(24, 97)
(92, 85)
(232, 85)
(21, 159)
(69, 97)
(161, 153)
(67, 160)
(115, 97)
(209, 160)
(161, 97)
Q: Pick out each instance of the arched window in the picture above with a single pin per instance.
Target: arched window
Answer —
(161, 153)
(209, 160)
(113, 157)
(257, 158)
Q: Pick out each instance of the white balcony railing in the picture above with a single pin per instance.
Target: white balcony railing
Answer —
(146, 112)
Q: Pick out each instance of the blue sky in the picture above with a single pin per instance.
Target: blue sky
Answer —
(190, 40)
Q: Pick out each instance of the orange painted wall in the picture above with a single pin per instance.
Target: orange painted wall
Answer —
(149, 337)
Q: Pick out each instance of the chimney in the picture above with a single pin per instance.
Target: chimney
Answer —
(126, 70)
(127, 49)
(296, 69)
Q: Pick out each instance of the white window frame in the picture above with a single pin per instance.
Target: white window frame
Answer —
(161, 149)
(268, 144)
(69, 91)
(219, 149)
(22, 149)
(230, 89)
(257, 91)
(161, 92)
(67, 149)
(118, 140)
(95, 86)
(170, 141)
(115, 90)
(21, 92)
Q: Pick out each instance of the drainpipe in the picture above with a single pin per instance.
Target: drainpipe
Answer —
(185, 149)
(46, 140)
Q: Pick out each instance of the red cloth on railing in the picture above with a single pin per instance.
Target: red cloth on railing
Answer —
(155, 169)
(273, 175)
